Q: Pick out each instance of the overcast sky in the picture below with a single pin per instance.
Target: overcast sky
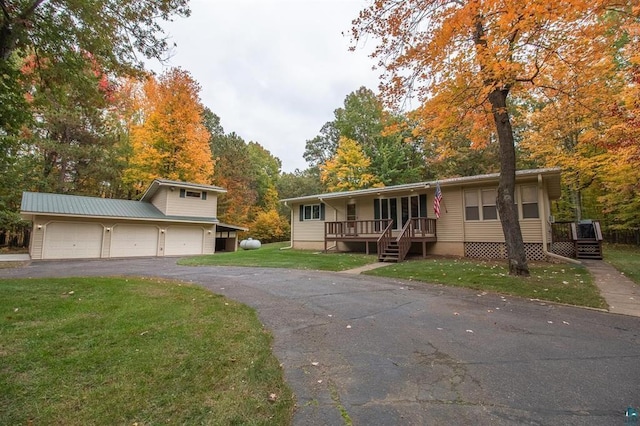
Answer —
(272, 70)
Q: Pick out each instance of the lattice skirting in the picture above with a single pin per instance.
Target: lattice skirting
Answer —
(499, 251)
(564, 248)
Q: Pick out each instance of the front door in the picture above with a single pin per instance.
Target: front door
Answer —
(351, 218)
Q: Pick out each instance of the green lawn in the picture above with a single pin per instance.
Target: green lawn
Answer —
(81, 351)
(562, 283)
(624, 258)
(271, 256)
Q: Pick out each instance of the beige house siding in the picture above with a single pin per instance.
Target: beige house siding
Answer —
(448, 226)
(489, 231)
(40, 223)
(480, 234)
(160, 200)
(188, 206)
(37, 238)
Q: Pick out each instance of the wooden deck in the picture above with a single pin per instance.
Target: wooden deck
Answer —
(422, 230)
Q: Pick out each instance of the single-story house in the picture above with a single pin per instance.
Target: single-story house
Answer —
(171, 219)
(397, 219)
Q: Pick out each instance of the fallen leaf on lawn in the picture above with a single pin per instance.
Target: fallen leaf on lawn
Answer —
(272, 397)
(319, 381)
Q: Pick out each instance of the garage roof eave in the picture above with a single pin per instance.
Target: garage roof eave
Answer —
(233, 227)
(183, 219)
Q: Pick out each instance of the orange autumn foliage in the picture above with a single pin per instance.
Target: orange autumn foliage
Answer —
(169, 139)
(451, 55)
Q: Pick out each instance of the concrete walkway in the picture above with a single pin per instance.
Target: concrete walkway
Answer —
(622, 294)
(365, 268)
(21, 257)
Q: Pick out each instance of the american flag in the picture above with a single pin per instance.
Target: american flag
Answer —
(436, 201)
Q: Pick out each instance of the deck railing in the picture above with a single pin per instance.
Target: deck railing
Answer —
(423, 227)
(355, 228)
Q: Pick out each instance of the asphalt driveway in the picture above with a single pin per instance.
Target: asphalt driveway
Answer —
(385, 352)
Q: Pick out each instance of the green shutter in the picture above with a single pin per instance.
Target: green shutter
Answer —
(183, 192)
(423, 205)
(204, 195)
(301, 218)
(393, 214)
(376, 209)
(321, 211)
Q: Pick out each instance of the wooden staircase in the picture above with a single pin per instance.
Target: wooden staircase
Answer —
(395, 249)
(391, 253)
(588, 249)
(587, 240)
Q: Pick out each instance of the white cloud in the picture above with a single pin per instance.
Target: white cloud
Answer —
(273, 71)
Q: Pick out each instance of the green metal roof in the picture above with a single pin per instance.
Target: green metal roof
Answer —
(157, 183)
(76, 205)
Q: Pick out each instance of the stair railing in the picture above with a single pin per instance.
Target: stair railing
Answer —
(385, 239)
(404, 240)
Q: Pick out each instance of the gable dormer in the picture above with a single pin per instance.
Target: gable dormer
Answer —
(175, 198)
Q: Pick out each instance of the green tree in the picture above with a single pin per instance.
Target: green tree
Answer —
(385, 138)
(66, 36)
(348, 169)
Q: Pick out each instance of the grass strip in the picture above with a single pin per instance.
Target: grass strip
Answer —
(625, 258)
(80, 351)
(271, 256)
(561, 283)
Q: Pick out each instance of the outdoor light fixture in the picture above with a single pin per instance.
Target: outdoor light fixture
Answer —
(39, 226)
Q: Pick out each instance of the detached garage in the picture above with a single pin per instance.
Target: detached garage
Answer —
(171, 219)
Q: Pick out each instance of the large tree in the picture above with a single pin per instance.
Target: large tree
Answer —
(465, 60)
(385, 138)
(171, 140)
(64, 36)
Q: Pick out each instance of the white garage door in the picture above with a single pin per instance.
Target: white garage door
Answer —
(134, 240)
(183, 240)
(72, 241)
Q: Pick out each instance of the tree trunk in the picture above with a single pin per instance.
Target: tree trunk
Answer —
(507, 208)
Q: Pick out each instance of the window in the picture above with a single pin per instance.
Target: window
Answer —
(386, 208)
(529, 202)
(471, 210)
(192, 194)
(489, 211)
(312, 212)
